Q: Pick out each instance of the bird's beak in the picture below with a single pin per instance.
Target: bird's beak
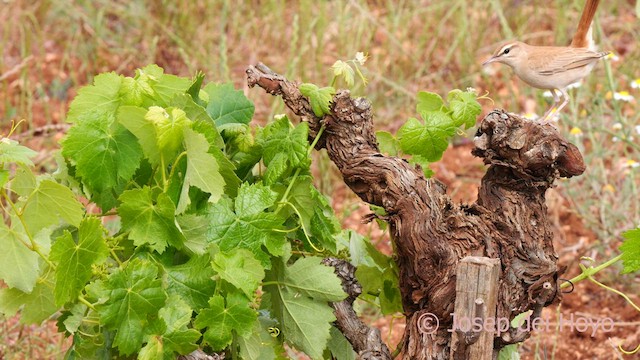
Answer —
(492, 59)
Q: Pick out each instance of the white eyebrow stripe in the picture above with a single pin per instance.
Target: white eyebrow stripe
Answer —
(508, 46)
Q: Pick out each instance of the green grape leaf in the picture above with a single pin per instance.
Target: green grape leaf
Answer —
(170, 124)
(191, 281)
(277, 168)
(12, 152)
(194, 228)
(260, 344)
(221, 320)
(509, 352)
(70, 320)
(228, 105)
(339, 346)
(19, 266)
(4, 177)
(24, 181)
(631, 251)
(75, 259)
(465, 108)
(202, 169)
(240, 135)
(390, 298)
(319, 98)
(202, 122)
(281, 139)
(249, 226)
(133, 90)
(302, 197)
(96, 344)
(133, 119)
(424, 164)
(428, 101)
(100, 99)
(150, 219)
(240, 268)
(387, 143)
(305, 322)
(49, 203)
(176, 337)
(325, 226)
(195, 88)
(225, 166)
(105, 155)
(37, 305)
(344, 70)
(317, 218)
(429, 140)
(135, 292)
(309, 277)
(167, 86)
(152, 350)
(370, 277)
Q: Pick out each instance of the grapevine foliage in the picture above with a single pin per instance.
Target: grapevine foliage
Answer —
(172, 224)
(427, 140)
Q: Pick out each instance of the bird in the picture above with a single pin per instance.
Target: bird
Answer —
(554, 68)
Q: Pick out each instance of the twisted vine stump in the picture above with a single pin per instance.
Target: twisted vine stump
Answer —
(432, 233)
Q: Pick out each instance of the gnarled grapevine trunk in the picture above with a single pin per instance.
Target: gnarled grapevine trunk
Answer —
(432, 233)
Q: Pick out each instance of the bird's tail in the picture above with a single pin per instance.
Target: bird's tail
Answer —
(584, 33)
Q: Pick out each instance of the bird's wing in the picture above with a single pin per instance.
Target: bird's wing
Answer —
(560, 59)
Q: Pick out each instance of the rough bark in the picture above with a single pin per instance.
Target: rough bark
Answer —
(432, 233)
(366, 341)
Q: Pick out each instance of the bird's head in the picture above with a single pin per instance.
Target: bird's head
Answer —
(508, 54)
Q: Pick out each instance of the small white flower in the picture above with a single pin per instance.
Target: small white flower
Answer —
(638, 129)
(612, 57)
(615, 139)
(547, 93)
(635, 84)
(623, 96)
(617, 126)
(361, 58)
(575, 85)
(632, 164)
(472, 90)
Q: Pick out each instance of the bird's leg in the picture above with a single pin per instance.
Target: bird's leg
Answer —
(566, 99)
(551, 112)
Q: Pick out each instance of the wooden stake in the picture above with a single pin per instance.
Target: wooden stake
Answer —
(476, 298)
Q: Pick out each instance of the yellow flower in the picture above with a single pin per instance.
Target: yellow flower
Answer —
(575, 131)
(609, 188)
(632, 163)
(612, 57)
(608, 95)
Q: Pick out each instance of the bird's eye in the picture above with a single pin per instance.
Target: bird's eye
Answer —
(506, 51)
